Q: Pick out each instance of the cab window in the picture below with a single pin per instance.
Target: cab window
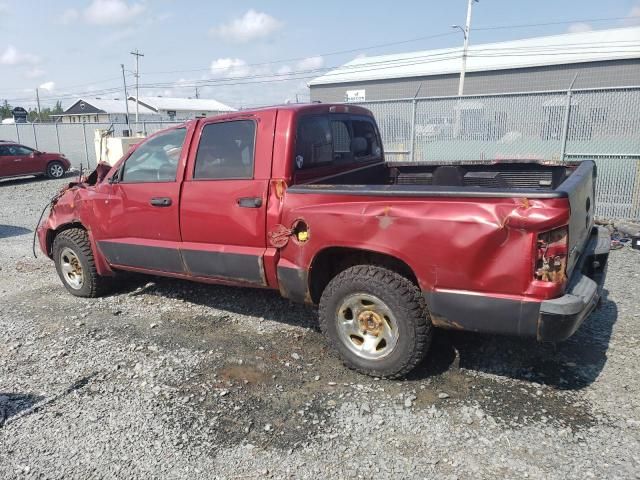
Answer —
(156, 160)
(226, 151)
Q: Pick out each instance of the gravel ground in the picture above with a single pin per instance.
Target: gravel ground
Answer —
(174, 379)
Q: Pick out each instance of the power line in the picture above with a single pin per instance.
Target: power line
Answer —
(474, 53)
(549, 50)
(549, 24)
(405, 61)
(297, 59)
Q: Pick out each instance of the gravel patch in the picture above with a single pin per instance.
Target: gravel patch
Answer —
(172, 379)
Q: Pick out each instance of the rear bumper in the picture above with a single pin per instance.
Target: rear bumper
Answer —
(549, 320)
(560, 317)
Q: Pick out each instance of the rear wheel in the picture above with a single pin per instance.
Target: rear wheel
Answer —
(75, 264)
(55, 169)
(377, 320)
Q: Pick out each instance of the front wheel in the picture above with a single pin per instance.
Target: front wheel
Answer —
(377, 320)
(55, 170)
(75, 264)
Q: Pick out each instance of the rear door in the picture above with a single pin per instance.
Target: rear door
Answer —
(29, 161)
(137, 215)
(223, 203)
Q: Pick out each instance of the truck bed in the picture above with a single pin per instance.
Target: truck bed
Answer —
(516, 179)
(536, 179)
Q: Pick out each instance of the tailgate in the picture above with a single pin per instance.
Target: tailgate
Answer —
(580, 188)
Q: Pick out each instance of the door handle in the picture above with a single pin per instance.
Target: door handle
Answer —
(160, 201)
(249, 202)
(18, 160)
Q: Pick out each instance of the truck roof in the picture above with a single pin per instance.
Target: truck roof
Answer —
(303, 107)
(291, 107)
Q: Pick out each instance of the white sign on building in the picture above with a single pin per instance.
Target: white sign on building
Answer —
(354, 96)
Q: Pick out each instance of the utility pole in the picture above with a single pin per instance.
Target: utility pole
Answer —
(137, 55)
(465, 31)
(38, 102)
(126, 97)
(197, 93)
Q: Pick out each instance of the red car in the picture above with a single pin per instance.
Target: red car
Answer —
(299, 199)
(17, 160)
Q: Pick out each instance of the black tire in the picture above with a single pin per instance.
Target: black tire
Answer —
(76, 240)
(401, 296)
(55, 169)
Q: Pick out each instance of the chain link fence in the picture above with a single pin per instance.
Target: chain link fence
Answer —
(599, 124)
(75, 140)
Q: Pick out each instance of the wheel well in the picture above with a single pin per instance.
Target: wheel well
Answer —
(52, 234)
(331, 261)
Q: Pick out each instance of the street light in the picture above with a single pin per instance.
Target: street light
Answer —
(461, 29)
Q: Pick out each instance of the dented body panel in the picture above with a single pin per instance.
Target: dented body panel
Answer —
(473, 251)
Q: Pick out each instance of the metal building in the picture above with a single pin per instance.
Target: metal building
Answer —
(595, 59)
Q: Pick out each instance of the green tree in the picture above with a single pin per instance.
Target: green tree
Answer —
(5, 110)
(32, 116)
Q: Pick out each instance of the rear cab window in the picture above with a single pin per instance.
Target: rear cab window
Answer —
(336, 139)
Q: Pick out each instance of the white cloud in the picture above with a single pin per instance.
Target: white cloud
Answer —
(119, 35)
(284, 70)
(4, 8)
(579, 27)
(111, 12)
(12, 56)
(35, 72)
(311, 63)
(69, 16)
(48, 86)
(633, 18)
(230, 67)
(250, 26)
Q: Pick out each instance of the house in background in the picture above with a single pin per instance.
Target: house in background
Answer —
(100, 110)
(169, 108)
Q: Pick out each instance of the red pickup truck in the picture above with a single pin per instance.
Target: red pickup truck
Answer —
(299, 199)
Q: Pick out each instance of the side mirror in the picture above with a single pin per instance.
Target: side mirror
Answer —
(115, 178)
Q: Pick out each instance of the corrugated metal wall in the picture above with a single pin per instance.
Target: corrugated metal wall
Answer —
(617, 73)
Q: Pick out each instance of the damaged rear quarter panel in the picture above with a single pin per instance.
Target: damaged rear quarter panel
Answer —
(481, 245)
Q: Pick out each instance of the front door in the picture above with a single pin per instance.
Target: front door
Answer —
(16, 160)
(223, 207)
(137, 212)
(8, 165)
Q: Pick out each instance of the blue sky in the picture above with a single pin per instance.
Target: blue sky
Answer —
(72, 48)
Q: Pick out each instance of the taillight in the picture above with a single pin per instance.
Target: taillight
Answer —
(551, 259)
